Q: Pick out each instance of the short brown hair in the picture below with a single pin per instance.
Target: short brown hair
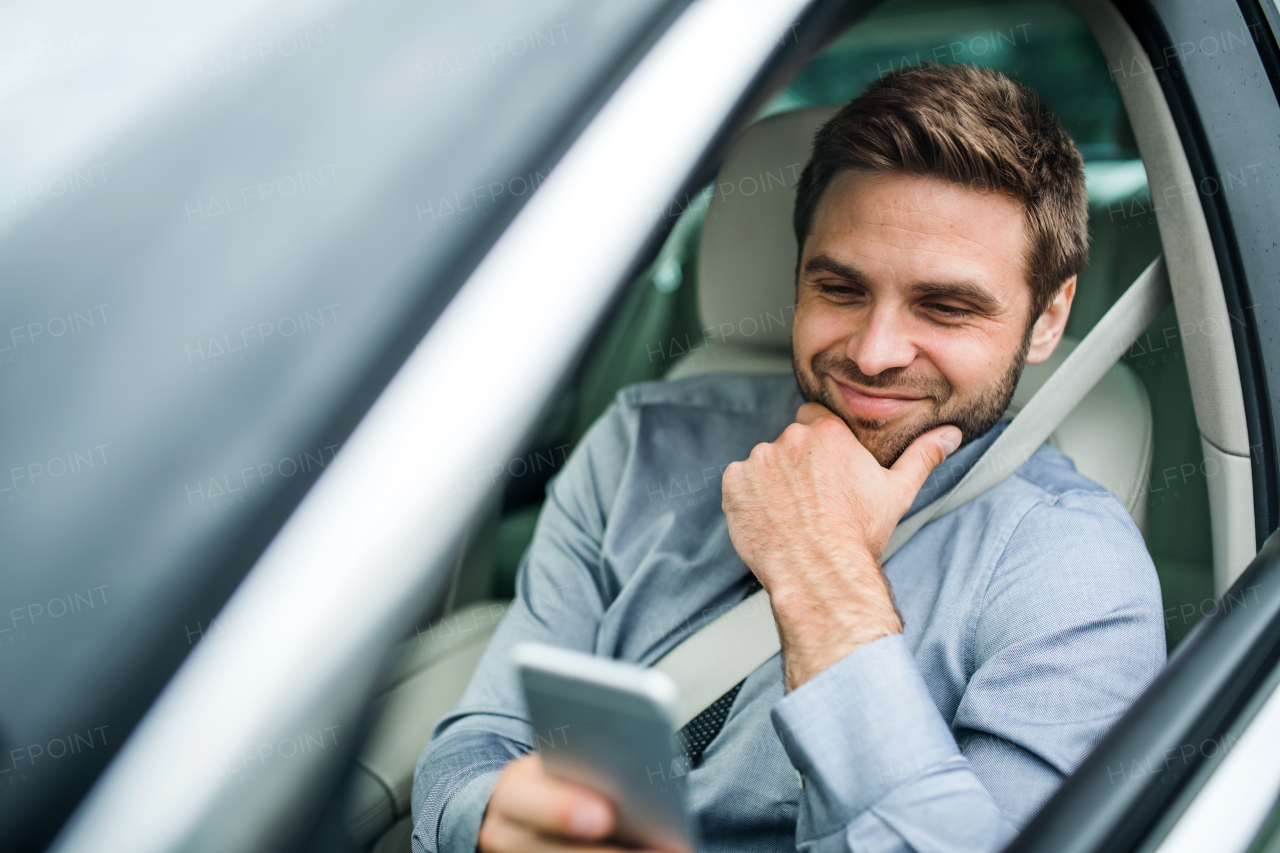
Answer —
(974, 127)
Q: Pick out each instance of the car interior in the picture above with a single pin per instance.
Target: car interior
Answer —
(717, 296)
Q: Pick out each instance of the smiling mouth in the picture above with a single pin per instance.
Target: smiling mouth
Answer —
(875, 404)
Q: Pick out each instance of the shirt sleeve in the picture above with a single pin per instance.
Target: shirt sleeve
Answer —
(561, 592)
(1068, 634)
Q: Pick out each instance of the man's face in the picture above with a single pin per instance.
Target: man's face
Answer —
(913, 308)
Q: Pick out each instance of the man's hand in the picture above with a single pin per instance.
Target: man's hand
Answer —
(810, 515)
(531, 811)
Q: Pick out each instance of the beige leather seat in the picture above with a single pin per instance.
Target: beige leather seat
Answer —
(745, 298)
(746, 301)
(434, 668)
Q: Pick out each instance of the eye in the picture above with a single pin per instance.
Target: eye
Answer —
(840, 292)
(950, 312)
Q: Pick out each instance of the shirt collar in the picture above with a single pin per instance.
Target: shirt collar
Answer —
(954, 467)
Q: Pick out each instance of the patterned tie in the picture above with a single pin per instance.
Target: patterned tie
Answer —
(694, 737)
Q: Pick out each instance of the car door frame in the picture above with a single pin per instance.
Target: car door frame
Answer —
(1136, 786)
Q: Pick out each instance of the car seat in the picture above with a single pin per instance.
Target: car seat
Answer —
(745, 267)
(746, 300)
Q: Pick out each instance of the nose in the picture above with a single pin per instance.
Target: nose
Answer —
(883, 341)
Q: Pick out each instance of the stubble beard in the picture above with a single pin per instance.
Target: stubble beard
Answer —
(974, 417)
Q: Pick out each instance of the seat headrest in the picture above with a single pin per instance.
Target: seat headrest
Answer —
(747, 255)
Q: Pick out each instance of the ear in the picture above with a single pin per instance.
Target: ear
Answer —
(1048, 328)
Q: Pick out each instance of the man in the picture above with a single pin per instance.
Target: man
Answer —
(930, 706)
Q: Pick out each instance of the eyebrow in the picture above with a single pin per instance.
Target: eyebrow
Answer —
(826, 263)
(975, 294)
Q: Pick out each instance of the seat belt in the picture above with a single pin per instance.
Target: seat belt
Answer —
(713, 660)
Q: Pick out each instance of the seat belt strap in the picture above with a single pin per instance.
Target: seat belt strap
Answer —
(711, 661)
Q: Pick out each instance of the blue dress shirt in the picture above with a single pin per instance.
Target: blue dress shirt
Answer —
(1032, 619)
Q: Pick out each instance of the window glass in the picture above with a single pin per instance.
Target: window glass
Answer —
(222, 229)
(1042, 44)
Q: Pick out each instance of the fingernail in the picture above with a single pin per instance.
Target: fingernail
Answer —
(950, 441)
(589, 819)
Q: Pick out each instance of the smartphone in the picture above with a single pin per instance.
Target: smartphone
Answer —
(608, 725)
